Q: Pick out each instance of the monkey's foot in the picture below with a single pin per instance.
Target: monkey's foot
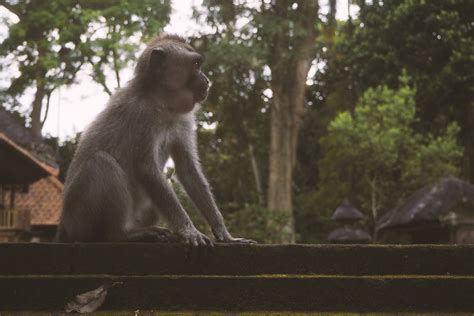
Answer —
(152, 234)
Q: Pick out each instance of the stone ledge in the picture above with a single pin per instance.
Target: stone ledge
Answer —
(256, 278)
(155, 259)
(251, 293)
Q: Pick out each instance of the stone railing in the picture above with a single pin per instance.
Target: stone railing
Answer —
(257, 278)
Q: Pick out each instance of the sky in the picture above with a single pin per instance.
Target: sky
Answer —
(73, 108)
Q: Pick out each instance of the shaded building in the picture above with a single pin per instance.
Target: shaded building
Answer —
(13, 127)
(44, 202)
(349, 235)
(439, 213)
(347, 215)
(30, 193)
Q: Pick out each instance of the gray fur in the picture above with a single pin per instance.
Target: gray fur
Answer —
(115, 187)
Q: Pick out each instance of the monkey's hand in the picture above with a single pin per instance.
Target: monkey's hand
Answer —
(197, 244)
(194, 238)
(225, 237)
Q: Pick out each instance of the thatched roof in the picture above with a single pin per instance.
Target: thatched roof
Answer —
(429, 203)
(18, 166)
(346, 212)
(349, 235)
(13, 128)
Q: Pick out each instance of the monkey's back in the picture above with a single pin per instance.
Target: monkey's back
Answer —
(100, 165)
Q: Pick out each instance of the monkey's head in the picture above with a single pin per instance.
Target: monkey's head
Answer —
(171, 67)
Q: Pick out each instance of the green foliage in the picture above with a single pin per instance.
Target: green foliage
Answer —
(65, 150)
(53, 40)
(258, 223)
(233, 123)
(432, 40)
(437, 157)
(366, 133)
(251, 221)
(376, 157)
(115, 29)
(251, 45)
(43, 51)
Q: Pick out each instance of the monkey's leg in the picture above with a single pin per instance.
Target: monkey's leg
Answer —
(194, 182)
(98, 206)
(148, 234)
(166, 201)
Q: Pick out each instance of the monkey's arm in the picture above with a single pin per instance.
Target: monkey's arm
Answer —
(164, 197)
(194, 182)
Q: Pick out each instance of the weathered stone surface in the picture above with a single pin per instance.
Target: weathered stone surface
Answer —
(250, 293)
(304, 278)
(146, 259)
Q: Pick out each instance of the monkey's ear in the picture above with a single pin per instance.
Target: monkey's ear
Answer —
(157, 57)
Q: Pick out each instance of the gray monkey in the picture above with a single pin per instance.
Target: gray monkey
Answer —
(115, 186)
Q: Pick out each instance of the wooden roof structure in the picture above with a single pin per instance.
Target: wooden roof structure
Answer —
(18, 166)
(429, 204)
(13, 127)
(346, 212)
(349, 235)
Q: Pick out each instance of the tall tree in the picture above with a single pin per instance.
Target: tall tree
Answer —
(280, 36)
(289, 29)
(54, 39)
(46, 57)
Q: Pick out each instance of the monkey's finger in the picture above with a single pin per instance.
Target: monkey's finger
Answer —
(209, 246)
(243, 241)
(206, 241)
(248, 241)
(209, 242)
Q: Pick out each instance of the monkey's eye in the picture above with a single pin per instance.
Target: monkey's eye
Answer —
(198, 63)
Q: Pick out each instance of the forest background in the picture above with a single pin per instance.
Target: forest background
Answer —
(305, 109)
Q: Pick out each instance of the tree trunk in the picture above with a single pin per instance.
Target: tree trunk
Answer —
(37, 106)
(282, 144)
(256, 174)
(288, 86)
(374, 206)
